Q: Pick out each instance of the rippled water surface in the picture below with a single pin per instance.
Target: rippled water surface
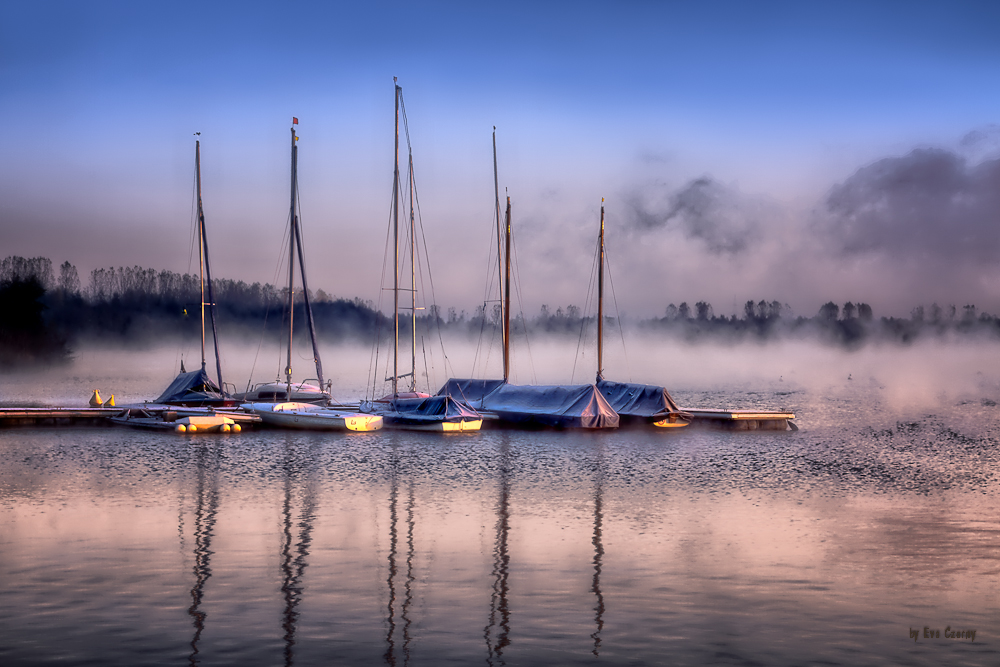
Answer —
(823, 546)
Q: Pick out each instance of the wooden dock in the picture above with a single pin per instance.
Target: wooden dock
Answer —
(14, 417)
(56, 416)
(742, 420)
(733, 420)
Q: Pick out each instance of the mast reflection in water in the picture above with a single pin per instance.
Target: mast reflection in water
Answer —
(293, 556)
(598, 546)
(206, 509)
(408, 598)
(630, 546)
(390, 611)
(496, 642)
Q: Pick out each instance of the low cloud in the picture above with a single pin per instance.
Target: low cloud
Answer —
(724, 220)
(930, 204)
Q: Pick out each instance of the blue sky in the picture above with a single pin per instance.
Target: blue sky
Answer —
(775, 104)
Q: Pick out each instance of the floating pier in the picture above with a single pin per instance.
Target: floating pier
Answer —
(742, 420)
(14, 417)
(733, 420)
(56, 416)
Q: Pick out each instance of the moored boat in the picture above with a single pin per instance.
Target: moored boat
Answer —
(537, 406)
(505, 404)
(289, 390)
(196, 388)
(412, 410)
(309, 416)
(635, 403)
(183, 421)
(425, 413)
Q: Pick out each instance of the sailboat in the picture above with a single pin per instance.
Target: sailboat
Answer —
(190, 403)
(412, 410)
(195, 388)
(300, 404)
(634, 403)
(558, 406)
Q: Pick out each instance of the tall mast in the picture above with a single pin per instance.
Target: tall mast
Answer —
(201, 246)
(291, 267)
(206, 267)
(496, 189)
(600, 300)
(506, 301)
(413, 290)
(395, 252)
(295, 242)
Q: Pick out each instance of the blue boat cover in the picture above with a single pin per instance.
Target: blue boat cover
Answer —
(561, 406)
(192, 388)
(638, 400)
(471, 392)
(427, 409)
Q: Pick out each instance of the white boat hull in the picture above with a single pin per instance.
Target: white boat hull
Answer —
(310, 417)
(436, 426)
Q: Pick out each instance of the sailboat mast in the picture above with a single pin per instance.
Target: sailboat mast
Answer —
(395, 252)
(506, 301)
(201, 247)
(206, 275)
(291, 267)
(496, 189)
(600, 300)
(413, 290)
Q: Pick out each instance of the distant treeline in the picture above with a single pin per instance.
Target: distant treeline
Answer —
(42, 315)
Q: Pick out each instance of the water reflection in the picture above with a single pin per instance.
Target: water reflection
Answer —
(598, 547)
(206, 510)
(390, 613)
(838, 538)
(497, 639)
(395, 473)
(298, 485)
(408, 598)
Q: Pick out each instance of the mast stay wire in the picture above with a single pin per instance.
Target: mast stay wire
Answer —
(423, 235)
(302, 259)
(491, 273)
(194, 234)
(586, 307)
(520, 305)
(430, 275)
(618, 316)
(267, 306)
(373, 363)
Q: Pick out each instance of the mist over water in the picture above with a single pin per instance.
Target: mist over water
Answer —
(914, 377)
(828, 544)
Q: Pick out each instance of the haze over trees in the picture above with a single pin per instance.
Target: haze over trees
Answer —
(45, 312)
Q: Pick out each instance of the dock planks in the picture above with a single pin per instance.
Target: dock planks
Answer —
(742, 420)
(56, 416)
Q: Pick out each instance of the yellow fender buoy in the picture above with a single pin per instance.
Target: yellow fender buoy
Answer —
(110, 403)
(95, 400)
(192, 428)
(225, 428)
(237, 428)
(181, 428)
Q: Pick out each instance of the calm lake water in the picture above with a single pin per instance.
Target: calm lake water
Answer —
(829, 545)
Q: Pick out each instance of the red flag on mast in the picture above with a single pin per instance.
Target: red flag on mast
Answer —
(295, 121)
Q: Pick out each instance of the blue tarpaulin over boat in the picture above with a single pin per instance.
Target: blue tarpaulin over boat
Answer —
(561, 406)
(634, 400)
(471, 392)
(426, 409)
(192, 388)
